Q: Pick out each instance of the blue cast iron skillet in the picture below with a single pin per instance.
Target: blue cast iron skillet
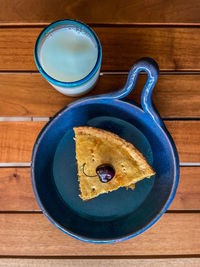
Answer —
(121, 214)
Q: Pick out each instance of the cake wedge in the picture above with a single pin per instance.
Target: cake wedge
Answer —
(97, 147)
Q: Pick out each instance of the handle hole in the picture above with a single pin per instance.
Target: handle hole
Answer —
(135, 95)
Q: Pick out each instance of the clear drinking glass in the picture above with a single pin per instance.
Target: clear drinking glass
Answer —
(83, 85)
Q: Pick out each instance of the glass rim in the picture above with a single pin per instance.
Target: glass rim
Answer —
(55, 81)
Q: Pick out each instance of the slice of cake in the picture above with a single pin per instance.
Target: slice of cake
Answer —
(107, 162)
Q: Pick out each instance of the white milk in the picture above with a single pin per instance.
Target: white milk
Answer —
(68, 55)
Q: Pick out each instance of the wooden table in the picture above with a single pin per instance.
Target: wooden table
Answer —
(169, 32)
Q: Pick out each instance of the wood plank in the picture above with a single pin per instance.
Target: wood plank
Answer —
(174, 48)
(186, 138)
(172, 262)
(172, 235)
(17, 139)
(188, 192)
(26, 94)
(16, 192)
(131, 12)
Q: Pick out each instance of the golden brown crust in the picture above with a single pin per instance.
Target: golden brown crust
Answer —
(108, 147)
(113, 138)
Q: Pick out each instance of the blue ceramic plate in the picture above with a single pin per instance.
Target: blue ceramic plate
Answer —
(121, 214)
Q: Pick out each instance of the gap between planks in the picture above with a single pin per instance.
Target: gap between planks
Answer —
(48, 118)
(40, 211)
(99, 261)
(163, 72)
(21, 118)
(24, 118)
(107, 25)
(117, 257)
(28, 164)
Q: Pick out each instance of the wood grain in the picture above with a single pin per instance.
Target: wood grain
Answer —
(174, 48)
(171, 235)
(186, 138)
(17, 139)
(104, 12)
(188, 192)
(25, 94)
(172, 262)
(16, 192)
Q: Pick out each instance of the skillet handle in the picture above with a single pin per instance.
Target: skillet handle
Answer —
(151, 68)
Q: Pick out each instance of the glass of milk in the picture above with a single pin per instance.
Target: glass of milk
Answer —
(68, 54)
